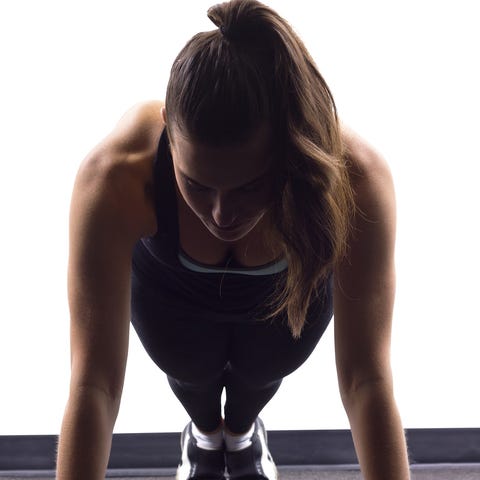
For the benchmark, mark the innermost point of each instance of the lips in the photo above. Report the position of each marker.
(228, 229)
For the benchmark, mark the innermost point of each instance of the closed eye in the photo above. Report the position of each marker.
(200, 188)
(195, 186)
(251, 188)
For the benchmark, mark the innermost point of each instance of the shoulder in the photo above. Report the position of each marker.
(119, 170)
(370, 177)
(372, 240)
(366, 163)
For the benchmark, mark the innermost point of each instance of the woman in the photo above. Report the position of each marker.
(228, 224)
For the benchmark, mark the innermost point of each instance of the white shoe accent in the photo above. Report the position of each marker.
(268, 466)
(184, 470)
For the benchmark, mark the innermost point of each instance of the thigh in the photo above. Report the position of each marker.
(266, 351)
(186, 348)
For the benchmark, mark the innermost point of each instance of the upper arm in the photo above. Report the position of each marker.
(365, 280)
(109, 213)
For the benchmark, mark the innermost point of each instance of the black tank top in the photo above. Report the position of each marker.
(182, 282)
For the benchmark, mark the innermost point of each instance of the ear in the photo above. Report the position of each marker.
(163, 111)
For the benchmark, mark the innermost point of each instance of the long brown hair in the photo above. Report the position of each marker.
(253, 70)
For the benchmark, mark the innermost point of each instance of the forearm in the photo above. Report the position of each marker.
(86, 436)
(378, 434)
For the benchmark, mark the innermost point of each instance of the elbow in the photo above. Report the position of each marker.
(106, 399)
(373, 401)
(112, 395)
(361, 392)
(104, 387)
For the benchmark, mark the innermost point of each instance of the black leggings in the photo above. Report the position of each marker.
(201, 357)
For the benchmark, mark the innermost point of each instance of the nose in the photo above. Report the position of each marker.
(224, 212)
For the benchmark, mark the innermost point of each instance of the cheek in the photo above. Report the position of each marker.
(256, 202)
(198, 203)
(263, 199)
(253, 207)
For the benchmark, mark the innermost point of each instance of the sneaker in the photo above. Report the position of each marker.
(198, 463)
(254, 462)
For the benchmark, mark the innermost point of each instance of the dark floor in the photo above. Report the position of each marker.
(419, 472)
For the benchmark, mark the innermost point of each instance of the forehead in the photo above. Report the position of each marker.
(226, 166)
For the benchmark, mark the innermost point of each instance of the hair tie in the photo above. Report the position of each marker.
(222, 29)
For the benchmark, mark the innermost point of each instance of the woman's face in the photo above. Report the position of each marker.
(229, 188)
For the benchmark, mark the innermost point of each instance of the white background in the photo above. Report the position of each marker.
(404, 74)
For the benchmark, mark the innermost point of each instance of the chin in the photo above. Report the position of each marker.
(229, 236)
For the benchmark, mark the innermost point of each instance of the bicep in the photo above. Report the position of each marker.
(365, 283)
